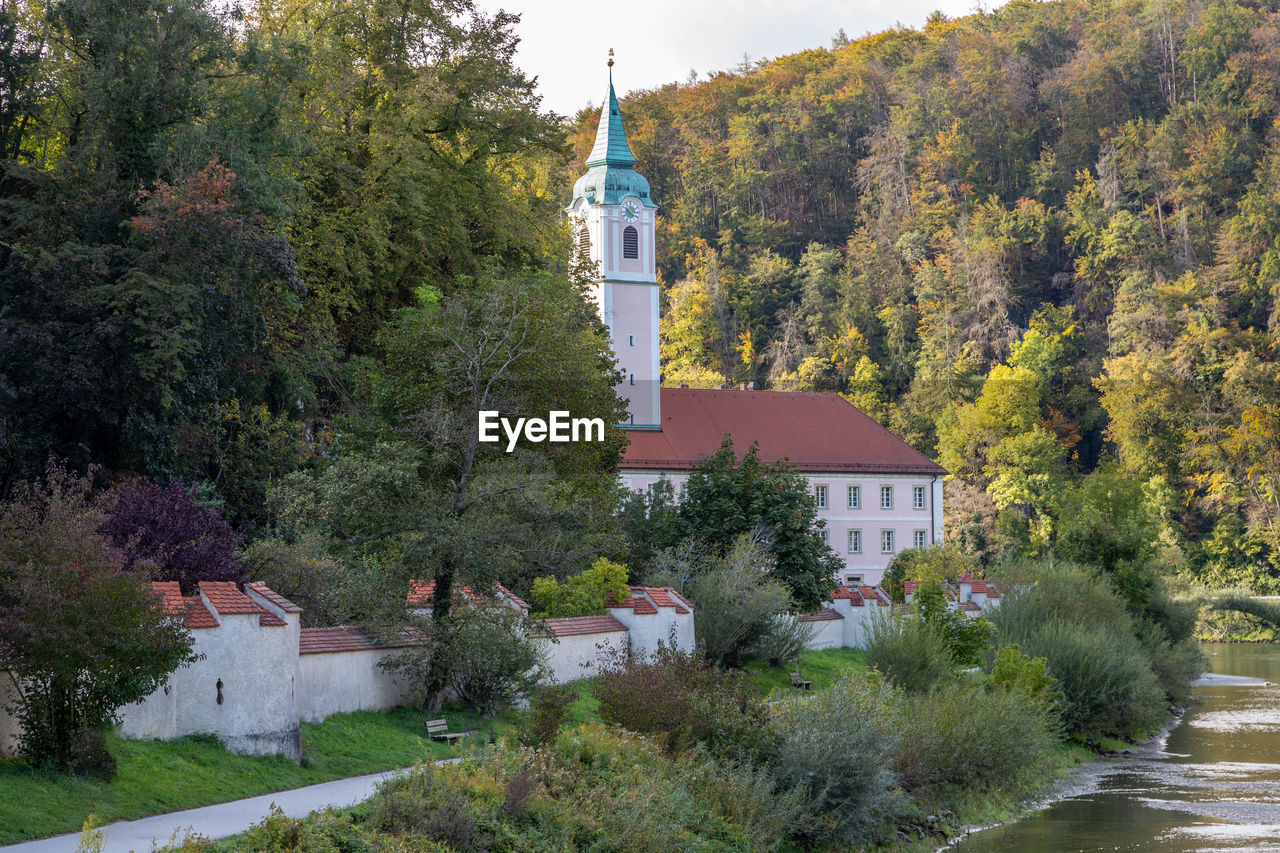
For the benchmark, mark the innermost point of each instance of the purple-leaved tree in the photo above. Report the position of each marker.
(167, 535)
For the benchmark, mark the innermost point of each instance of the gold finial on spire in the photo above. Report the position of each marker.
(610, 57)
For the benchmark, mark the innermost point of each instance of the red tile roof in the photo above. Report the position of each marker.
(274, 597)
(813, 432)
(227, 598)
(637, 603)
(872, 593)
(824, 615)
(573, 625)
(170, 597)
(969, 605)
(965, 578)
(198, 616)
(341, 639)
(855, 597)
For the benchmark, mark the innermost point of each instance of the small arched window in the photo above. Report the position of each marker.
(584, 240)
(630, 243)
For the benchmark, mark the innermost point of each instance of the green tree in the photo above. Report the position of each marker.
(414, 491)
(583, 594)
(81, 636)
(726, 497)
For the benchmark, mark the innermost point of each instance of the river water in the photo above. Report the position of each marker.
(1211, 782)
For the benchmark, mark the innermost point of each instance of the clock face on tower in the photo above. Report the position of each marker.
(631, 211)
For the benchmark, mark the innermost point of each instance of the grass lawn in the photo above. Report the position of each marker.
(820, 667)
(164, 776)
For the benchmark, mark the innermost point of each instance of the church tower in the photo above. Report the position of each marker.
(613, 219)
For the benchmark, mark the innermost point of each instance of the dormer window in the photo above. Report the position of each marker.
(630, 243)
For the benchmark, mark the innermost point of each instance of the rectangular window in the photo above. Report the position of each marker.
(886, 541)
(631, 339)
(826, 535)
(886, 497)
(820, 496)
(855, 541)
(855, 497)
(633, 379)
(852, 580)
(917, 539)
(917, 497)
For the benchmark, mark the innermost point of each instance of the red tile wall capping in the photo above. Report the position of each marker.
(274, 597)
(341, 639)
(855, 599)
(813, 432)
(637, 604)
(520, 602)
(421, 594)
(824, 615)
(270, 620)
(198, 616)
(170, 597)
(227, 598)
(660, 596)
(870, 594)
(569, 626)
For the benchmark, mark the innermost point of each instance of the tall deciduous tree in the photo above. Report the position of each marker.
(414, 489)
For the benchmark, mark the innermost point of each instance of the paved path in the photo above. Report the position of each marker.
(214, 821)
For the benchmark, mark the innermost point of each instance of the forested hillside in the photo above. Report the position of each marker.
(1041, 243)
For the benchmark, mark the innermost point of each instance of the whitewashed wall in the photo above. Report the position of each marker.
(341, 682)
(577, 656)
(258, 667)
(827, 634)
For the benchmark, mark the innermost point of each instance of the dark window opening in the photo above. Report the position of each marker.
(630, 243)
(219, 691)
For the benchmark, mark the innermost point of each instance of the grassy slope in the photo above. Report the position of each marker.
(163, 776)
(820, 667)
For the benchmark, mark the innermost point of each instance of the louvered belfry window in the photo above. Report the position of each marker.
(630, 243)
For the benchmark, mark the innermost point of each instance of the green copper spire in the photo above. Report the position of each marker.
(611, 147)
(610, 178)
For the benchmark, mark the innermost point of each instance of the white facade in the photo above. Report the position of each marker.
(914, 514)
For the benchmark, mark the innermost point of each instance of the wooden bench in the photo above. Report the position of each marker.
(439, 730)
(799, 683)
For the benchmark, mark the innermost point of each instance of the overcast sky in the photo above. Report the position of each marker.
(565, 43)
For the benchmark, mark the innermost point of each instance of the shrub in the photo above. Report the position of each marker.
(735, 596)
(491, 658)
(965, 736)
(1073, 618)
(685, 701)
(80, 636)
(547, 712)
(1013, 671)
(966, 638)
(428, 803)
(784, 639)
(1106, 678)
(911, 654)
(837, 747)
